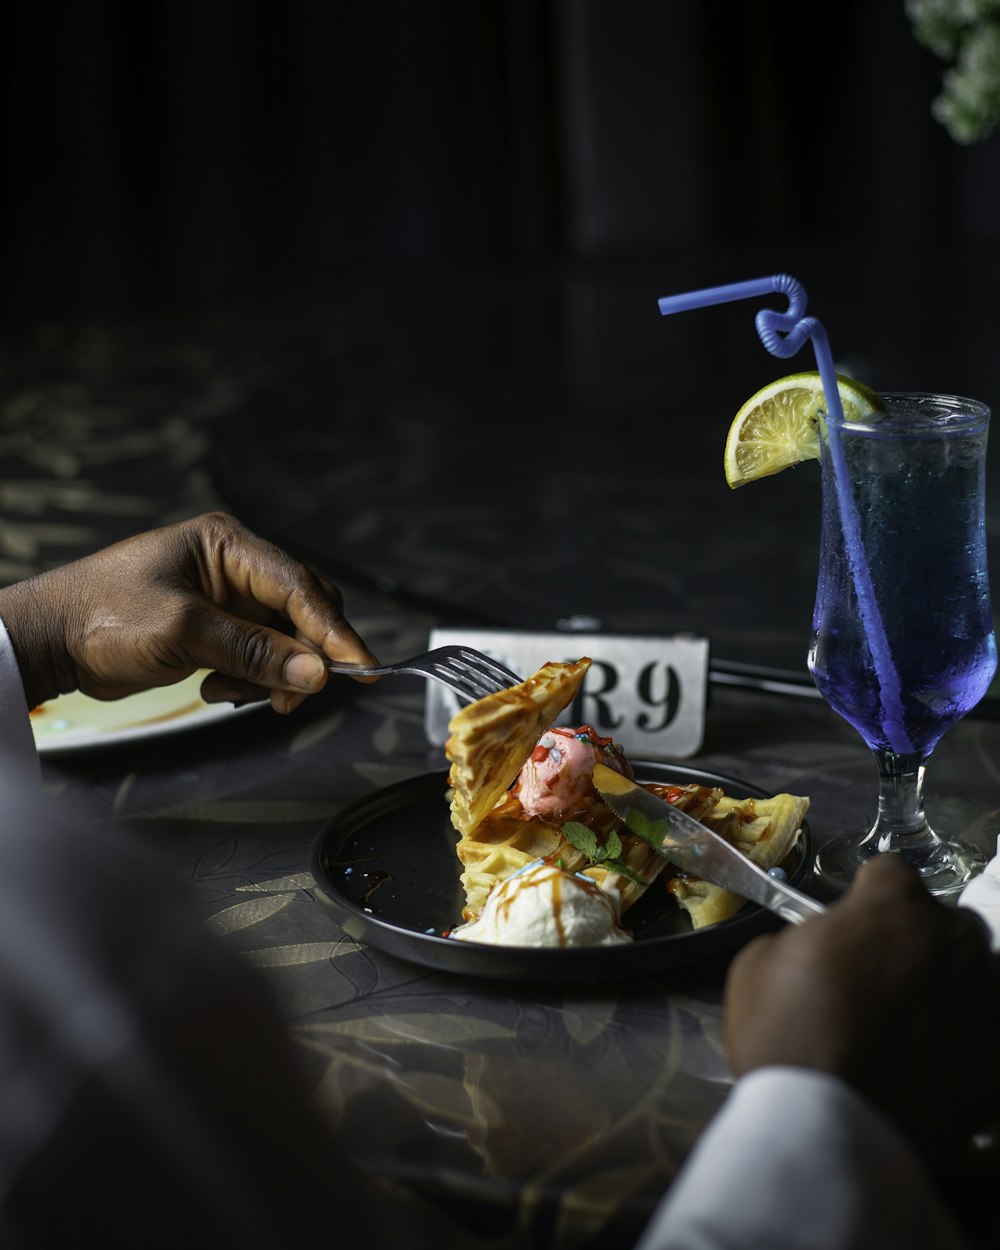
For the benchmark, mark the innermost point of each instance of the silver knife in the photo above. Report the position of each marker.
(698, 850)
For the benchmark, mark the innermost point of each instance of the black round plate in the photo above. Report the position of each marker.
(386, 868)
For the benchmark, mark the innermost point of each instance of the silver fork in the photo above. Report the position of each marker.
(469, 673)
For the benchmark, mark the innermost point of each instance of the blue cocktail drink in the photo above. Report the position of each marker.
(914, 477)
(902, 643)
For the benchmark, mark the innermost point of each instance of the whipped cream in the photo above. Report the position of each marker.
(541, 905)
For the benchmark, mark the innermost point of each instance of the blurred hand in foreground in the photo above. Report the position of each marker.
(893, 992)
(153, 609)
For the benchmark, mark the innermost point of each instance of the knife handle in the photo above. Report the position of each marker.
(791, 904)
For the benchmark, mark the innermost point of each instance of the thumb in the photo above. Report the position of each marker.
(247, 655)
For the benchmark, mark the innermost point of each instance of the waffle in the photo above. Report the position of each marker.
(488, 743)
(765, 830)
(639, 857)
(489, 740)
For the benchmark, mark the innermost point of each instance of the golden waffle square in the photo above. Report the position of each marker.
(763, 829)
(504, 842)
(489, 740)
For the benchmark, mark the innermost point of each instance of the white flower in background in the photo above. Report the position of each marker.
(965, 33)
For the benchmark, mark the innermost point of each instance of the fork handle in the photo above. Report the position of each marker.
(353, 668)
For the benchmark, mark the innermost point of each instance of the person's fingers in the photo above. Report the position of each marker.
(365, 678)
(748, 958)
(255, 571)
(285, 703)
(888, 970)
(888, 874)
(743, 973)
(202, 593)
(251, 655)
(890, 890)
(221, 688)
(218, 688)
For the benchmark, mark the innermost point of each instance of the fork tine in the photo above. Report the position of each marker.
(466, 675)
(489, 678)
(468, 663)
(487, 664)
(469, 673)
(463, 684)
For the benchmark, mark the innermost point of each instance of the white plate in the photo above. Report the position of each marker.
(73, 721)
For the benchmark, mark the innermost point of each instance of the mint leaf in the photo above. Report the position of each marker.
(608, 855)
(583, 839)
(651, 831)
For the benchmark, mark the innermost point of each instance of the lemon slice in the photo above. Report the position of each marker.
(779, 426)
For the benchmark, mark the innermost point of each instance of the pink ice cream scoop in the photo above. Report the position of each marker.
(555, 780)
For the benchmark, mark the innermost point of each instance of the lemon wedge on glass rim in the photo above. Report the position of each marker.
(780, 425)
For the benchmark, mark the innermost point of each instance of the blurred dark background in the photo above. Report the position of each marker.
(324, 251)
(188, 150)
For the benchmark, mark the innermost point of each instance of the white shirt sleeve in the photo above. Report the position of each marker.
(17, 742)
(796, 1160)
(982, 895)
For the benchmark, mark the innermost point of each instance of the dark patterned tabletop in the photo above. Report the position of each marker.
(513, 457)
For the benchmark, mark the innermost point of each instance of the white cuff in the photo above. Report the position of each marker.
(982, 895)
(796, 1159)
(17, 742)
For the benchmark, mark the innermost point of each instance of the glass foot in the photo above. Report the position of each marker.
(945, 867)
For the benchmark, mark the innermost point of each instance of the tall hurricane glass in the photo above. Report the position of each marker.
(916, 651)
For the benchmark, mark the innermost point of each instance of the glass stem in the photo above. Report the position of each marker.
(901, 824)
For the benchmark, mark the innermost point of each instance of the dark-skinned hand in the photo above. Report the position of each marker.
(890, 990)
(153, 609)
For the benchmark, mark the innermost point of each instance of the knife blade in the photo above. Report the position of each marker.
(698, 850)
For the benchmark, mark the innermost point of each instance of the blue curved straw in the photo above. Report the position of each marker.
(783, 333)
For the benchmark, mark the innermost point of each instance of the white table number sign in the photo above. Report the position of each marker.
(647, 693)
